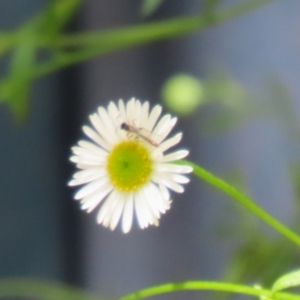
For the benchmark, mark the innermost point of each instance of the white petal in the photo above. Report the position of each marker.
(161, 124)
(165, 192)
(88, 178)
(122, 110)
(167, 180)
(179, 178)
(90, 202)
(102, 190)
(151, 209)
(115, 202)
(113, 110)
(175, 155)
(154, 194)
(116, 215)
(85, 167)
(90, 188)
(102, 130)
(127, 214)
(144, 114)
(141, 213)
(115, 116)
(108, 123)
(152, 206)
(90, 172)
(174, 168)
(96, 137)
(173, 185)
(154, 115)
(87, 160)
(170, 142)
(163, 127)
(136, 114)
(107, 208)
(96, 152)
(92, 147)
(164, 131)
(130, 110)
(156, 222)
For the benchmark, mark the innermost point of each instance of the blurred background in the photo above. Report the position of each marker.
(240, 85)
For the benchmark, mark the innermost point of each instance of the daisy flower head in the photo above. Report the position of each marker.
(123, 168)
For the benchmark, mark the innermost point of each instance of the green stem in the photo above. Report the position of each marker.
(208, 286)
(160, 30)
(246, 201)
(92, 44)
(7, 41)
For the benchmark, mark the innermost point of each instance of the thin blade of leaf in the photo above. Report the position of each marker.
(17, 84)
(148, 7)
(57, 15)
(287, 281)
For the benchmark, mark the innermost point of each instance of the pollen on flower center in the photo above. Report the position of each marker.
(129, 165)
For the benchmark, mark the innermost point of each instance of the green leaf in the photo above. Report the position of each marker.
(148, 7)
(15, 88)
(7, 39)
(56, 16)
(287, 281)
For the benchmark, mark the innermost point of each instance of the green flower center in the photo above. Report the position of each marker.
(129, 165)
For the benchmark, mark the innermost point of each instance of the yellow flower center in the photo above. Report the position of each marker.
(129, 165)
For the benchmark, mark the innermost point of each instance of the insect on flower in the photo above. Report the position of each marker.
(137, 131)
(123, 167)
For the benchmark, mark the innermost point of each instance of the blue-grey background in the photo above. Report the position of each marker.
(43, 233)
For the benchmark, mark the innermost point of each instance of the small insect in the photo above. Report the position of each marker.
(137, 131)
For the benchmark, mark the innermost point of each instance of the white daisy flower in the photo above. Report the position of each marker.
(124, 167)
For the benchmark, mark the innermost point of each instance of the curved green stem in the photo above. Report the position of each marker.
(206, 286)
(246, 201)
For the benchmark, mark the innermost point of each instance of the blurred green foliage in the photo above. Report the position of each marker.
(148, 7)
(258, 257)
(227, 104)
(23, 44)
(286, 281)
(182, 94)
(12, 288)
(46, 31)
